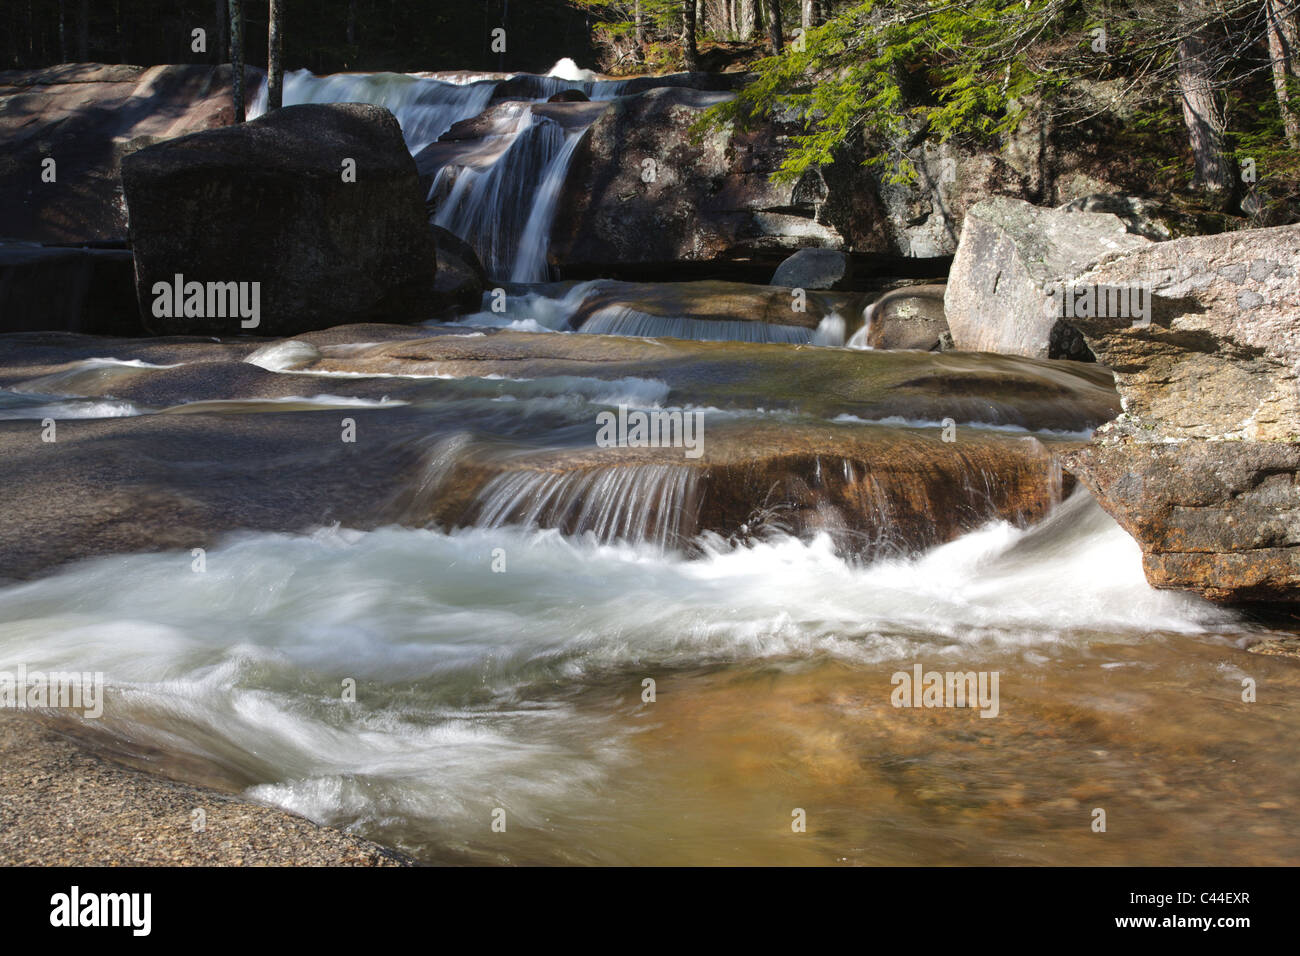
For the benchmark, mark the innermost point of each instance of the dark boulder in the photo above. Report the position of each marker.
(461, 279)
(269, 202)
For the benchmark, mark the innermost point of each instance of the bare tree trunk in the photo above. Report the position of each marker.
(1284, 52)
(275, 57)
(222, 31)
(237, 57)
(689, 52)
(775, 30)
(1202, 113)
(807, 15)
(83, 31)
(748, 18)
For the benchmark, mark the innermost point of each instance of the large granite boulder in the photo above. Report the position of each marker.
(268, 202)
(1010, 268)
(644, 191)
(1203, 466)
(87, 117)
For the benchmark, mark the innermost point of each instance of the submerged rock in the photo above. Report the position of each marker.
(875, 491)
(908, 318)
(433, 425)
(718, 311)
(272, 202)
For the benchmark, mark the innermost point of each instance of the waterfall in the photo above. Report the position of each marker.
(488, 207)
(530, 259)
(503, 208)
(652, 504)
(858, 340)
(425, 107)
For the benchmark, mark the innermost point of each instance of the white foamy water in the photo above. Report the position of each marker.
(320, 402)
(14, 408)
(284, 356)
(465, 676)
(930, 423)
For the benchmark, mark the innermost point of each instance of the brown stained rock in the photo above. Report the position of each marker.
(877, 491)
(1218, 518)
(908, 318)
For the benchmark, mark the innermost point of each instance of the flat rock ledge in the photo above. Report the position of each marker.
(64, 805)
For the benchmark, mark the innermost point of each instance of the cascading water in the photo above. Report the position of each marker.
(621, 320)
(652, 504)
(484, 207)
(504, 207)
(425, 106)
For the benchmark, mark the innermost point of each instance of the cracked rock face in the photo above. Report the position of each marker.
(1219, 359)
(1203, 467)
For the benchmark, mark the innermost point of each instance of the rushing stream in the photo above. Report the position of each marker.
(523, 690)
(637, 658)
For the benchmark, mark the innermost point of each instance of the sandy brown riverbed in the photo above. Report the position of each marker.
(61, 804)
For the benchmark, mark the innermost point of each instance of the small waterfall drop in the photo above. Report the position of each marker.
(486, 205)
(620, 320)
(636, 503)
